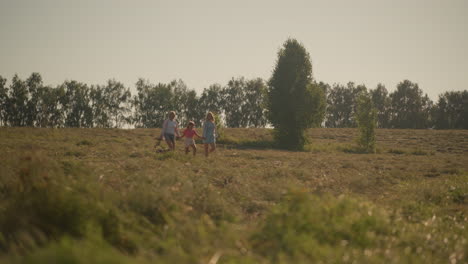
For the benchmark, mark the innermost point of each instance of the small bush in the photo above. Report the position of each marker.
(42, 202)
(367, 122)
(304, 226)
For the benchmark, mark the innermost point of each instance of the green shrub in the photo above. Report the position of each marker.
(45, 205)
(209, 202)
(110, 226)
(308, 227)
(367, 122)
(41, 201)
(150, 205)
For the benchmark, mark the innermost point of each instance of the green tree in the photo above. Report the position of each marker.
(338, 107)
(255, 103)
(191, 107)
(366, 117)
(382, 103)
(318, 105)
(49, 108)
(409, 108)
(357, 92)
(3, 101)
(35, 88)
(98, 106)
(17, 103)
(116, 102)
(451, 110)
(292, 102)
(184, 101)
(110, 104)
(233, 98)
(342, 105)
(76, 104)
(151, 104)
(441, 113)
(210, 101)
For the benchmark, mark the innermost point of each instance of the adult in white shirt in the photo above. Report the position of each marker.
(170, 130)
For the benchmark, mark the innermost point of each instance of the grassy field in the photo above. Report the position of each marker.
(106, 196)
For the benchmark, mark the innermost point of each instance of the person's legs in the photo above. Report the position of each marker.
(213, 147)
(170, 140)
(173, 142)
(187, 150)
(169, 144)
(206, 149)
(194, 149)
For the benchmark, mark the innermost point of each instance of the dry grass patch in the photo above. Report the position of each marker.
(175, 208)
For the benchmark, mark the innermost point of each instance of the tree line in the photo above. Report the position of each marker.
(240, 103)
(406, 107)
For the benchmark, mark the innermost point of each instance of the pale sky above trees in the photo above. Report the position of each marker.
(205, 42)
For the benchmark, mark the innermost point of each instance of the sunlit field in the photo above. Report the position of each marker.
(107, 195)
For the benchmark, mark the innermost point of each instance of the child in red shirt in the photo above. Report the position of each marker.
(189, 133)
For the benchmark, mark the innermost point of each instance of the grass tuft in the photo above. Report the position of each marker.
(84, 143)
(396, 151)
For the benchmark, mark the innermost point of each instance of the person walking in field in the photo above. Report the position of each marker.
(189, 133)
(209, 133)
(170, 130)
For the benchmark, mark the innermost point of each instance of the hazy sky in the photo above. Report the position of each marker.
(206, 42)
